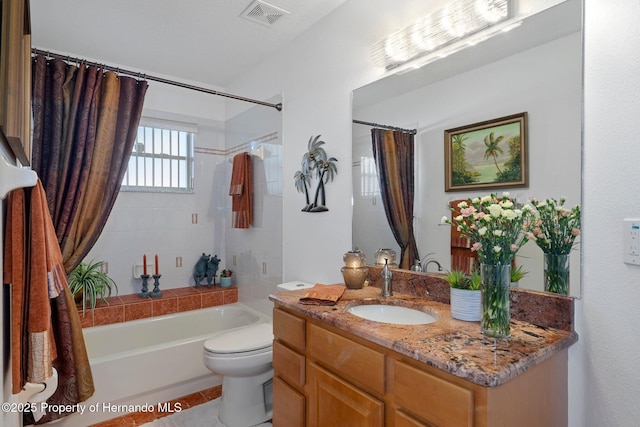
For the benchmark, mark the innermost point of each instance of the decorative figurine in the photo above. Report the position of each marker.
(207, 266)
(200, 269)
(212, 269)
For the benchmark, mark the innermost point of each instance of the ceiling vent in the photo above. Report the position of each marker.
(263, 13)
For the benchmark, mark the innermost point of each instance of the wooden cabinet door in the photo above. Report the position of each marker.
(288, 405)
(334, 402)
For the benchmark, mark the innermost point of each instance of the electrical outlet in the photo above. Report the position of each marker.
(178, 261)
(631, 241)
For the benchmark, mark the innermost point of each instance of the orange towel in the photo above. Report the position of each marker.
(241, 191)
(46, 329)
(323, 295)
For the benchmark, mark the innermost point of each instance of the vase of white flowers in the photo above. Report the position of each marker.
(555, 229)
(496, 226)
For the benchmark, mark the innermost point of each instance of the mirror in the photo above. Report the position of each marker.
(535, 68)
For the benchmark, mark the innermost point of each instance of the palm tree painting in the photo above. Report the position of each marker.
(487, 154)
(315, 160)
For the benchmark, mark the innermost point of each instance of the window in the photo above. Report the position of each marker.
(368, 177)
(162, 157)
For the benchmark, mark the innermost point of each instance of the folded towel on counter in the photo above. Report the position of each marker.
(323, 295)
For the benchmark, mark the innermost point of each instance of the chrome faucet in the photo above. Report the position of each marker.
(426, 266)
(386, 280)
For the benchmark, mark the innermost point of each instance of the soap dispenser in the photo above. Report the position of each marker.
(386, 280)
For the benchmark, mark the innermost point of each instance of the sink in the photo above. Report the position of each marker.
(393, 314)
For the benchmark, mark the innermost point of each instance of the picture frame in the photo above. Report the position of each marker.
(487, 155)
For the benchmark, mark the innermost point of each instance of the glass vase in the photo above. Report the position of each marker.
(496, 284)
(556, 273)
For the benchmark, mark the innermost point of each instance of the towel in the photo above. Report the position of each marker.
(241, 191)
(46, 329)
(323, 295)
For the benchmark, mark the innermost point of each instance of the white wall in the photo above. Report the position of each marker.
(604, 363)
(317, 72)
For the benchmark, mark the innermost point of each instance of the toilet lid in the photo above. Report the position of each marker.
(240, 340)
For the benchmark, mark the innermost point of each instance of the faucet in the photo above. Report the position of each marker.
(386, 280)
(426, 266)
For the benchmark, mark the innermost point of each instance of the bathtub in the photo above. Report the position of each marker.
(154, 360)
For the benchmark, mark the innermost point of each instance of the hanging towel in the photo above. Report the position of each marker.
(46, 329)
(241, 191)
(323, 295)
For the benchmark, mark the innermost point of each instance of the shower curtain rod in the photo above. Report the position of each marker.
(136, 74)
(411, 131)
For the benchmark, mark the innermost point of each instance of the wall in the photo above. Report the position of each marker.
(509, 86)
(317, 73)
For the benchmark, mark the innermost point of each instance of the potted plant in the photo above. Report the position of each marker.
(225, 278)
(517, 273)
(466, 295)
(88, 283)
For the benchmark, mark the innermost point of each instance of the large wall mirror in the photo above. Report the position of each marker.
(534, 68)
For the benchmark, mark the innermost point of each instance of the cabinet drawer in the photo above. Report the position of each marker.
(348, 358)
(288, 405)
(288, 365)
(432, 398)
(289, 329)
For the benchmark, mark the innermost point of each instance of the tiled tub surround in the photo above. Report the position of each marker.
(454, 346)
(132, 307)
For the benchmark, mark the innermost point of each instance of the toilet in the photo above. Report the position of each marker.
(243, 358)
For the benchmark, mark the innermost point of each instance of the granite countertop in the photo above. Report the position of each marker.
(449, 344)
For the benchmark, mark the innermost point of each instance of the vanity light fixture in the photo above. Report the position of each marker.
(443, 32)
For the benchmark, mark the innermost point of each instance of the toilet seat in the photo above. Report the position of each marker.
(248, 340)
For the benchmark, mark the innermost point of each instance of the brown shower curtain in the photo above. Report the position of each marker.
(393, 154)
(85, 125)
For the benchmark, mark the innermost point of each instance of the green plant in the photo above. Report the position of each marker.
(518, 273)
(91, 283)
(456, 279)
(226, 273)
(475, 281)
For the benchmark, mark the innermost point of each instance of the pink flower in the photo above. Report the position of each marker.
(575, 232)
(476, 246)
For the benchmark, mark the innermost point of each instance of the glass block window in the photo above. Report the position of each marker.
(162, 157)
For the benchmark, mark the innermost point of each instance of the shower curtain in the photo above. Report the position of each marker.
(393, 154)
(85, 122)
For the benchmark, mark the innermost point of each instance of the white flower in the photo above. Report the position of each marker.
(482, 231)
(485, 199)
(476, 200)
(459, 218)
(497, 233)
(506, 204)
(495, 210)
(462, 205)
(444, 220)
(505, 194)
(509, 214)
(497, 249)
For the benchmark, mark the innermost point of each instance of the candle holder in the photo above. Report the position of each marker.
(145, 289)
(156, 286)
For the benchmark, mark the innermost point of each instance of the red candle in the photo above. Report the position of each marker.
(157, 265)
(144, 264)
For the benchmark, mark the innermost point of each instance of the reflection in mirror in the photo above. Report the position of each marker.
(535, 68)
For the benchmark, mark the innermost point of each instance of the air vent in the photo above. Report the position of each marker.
(263, 13)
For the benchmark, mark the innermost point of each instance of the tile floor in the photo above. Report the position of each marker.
(139, 418)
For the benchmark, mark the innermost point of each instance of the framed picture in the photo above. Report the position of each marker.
(487, 155)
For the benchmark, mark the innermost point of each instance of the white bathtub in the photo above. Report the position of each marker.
(154, 360)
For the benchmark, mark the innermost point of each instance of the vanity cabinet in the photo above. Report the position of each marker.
(325, 376)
